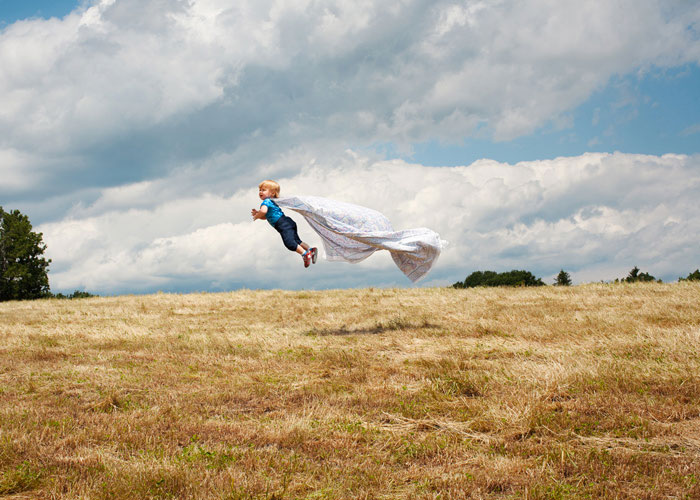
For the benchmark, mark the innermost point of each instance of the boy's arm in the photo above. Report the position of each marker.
(259, 214)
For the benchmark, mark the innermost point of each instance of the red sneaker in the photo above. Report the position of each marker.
(314, 253)
(307, 258)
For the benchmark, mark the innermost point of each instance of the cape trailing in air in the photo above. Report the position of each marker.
(352, 233)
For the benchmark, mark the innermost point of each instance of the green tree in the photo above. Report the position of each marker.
(491, 278)
(563, 279)
(479, 278)
(23, 269)
(635, 276)
(694, 276)
(78, 294)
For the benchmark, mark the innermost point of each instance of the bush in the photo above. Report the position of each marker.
(75, 295)
(491, 278)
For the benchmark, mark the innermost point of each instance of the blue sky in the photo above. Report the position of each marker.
(15, 10)
(654, 113)
(134, 133)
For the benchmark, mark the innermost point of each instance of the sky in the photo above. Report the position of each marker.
(530, 134)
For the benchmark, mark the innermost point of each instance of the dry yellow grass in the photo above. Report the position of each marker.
(584, 392)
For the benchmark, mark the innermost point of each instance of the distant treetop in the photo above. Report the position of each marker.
(694, 276)
(635, 276)
(492, 278)
(562, 279)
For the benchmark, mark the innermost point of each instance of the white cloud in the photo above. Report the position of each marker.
(150, 85)
(589, 214)
(16, 169)
(140, 128)
(691, 130)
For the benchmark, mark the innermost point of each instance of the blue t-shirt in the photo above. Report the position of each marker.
(273, 211)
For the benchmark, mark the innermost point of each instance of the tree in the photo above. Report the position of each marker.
(694, 276)
(563, 279)
(634, 276)
(78, 294)
(491, 278)
(23, 270)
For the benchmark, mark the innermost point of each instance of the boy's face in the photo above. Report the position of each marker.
(265, 193)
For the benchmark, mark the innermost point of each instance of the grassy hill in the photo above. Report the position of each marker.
(535, 393)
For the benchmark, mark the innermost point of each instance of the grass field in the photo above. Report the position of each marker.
(590, 391)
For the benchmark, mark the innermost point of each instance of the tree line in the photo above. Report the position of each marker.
(24, 269)
(526, 278)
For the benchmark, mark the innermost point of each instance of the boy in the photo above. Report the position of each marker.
(284, 225)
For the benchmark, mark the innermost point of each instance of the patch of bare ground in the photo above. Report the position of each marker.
(548, 393)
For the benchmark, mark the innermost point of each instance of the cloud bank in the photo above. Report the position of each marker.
(596, 216)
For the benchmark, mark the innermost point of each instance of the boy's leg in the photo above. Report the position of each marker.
(288, 230)
(306, 255)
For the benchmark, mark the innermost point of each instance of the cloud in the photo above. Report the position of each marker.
(691, 130)
(17, 169)
(133, 132)
(595, 215)
(125, 91)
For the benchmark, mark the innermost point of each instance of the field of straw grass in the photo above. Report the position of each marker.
(590, 391)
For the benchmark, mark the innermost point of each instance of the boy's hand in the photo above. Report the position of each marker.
(259, 214)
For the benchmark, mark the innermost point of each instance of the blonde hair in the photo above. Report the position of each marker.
(272, 186)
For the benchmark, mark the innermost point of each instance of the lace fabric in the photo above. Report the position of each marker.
(352, 233)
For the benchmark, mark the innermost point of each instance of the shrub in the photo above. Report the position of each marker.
(492, 278)
(75, 295)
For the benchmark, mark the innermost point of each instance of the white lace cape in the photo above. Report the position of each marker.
(352, 233)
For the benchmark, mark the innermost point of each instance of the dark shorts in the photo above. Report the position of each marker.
(288, 230)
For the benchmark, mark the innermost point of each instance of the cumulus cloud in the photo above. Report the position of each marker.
(595, 215)
(123, 91)
(133, 133)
